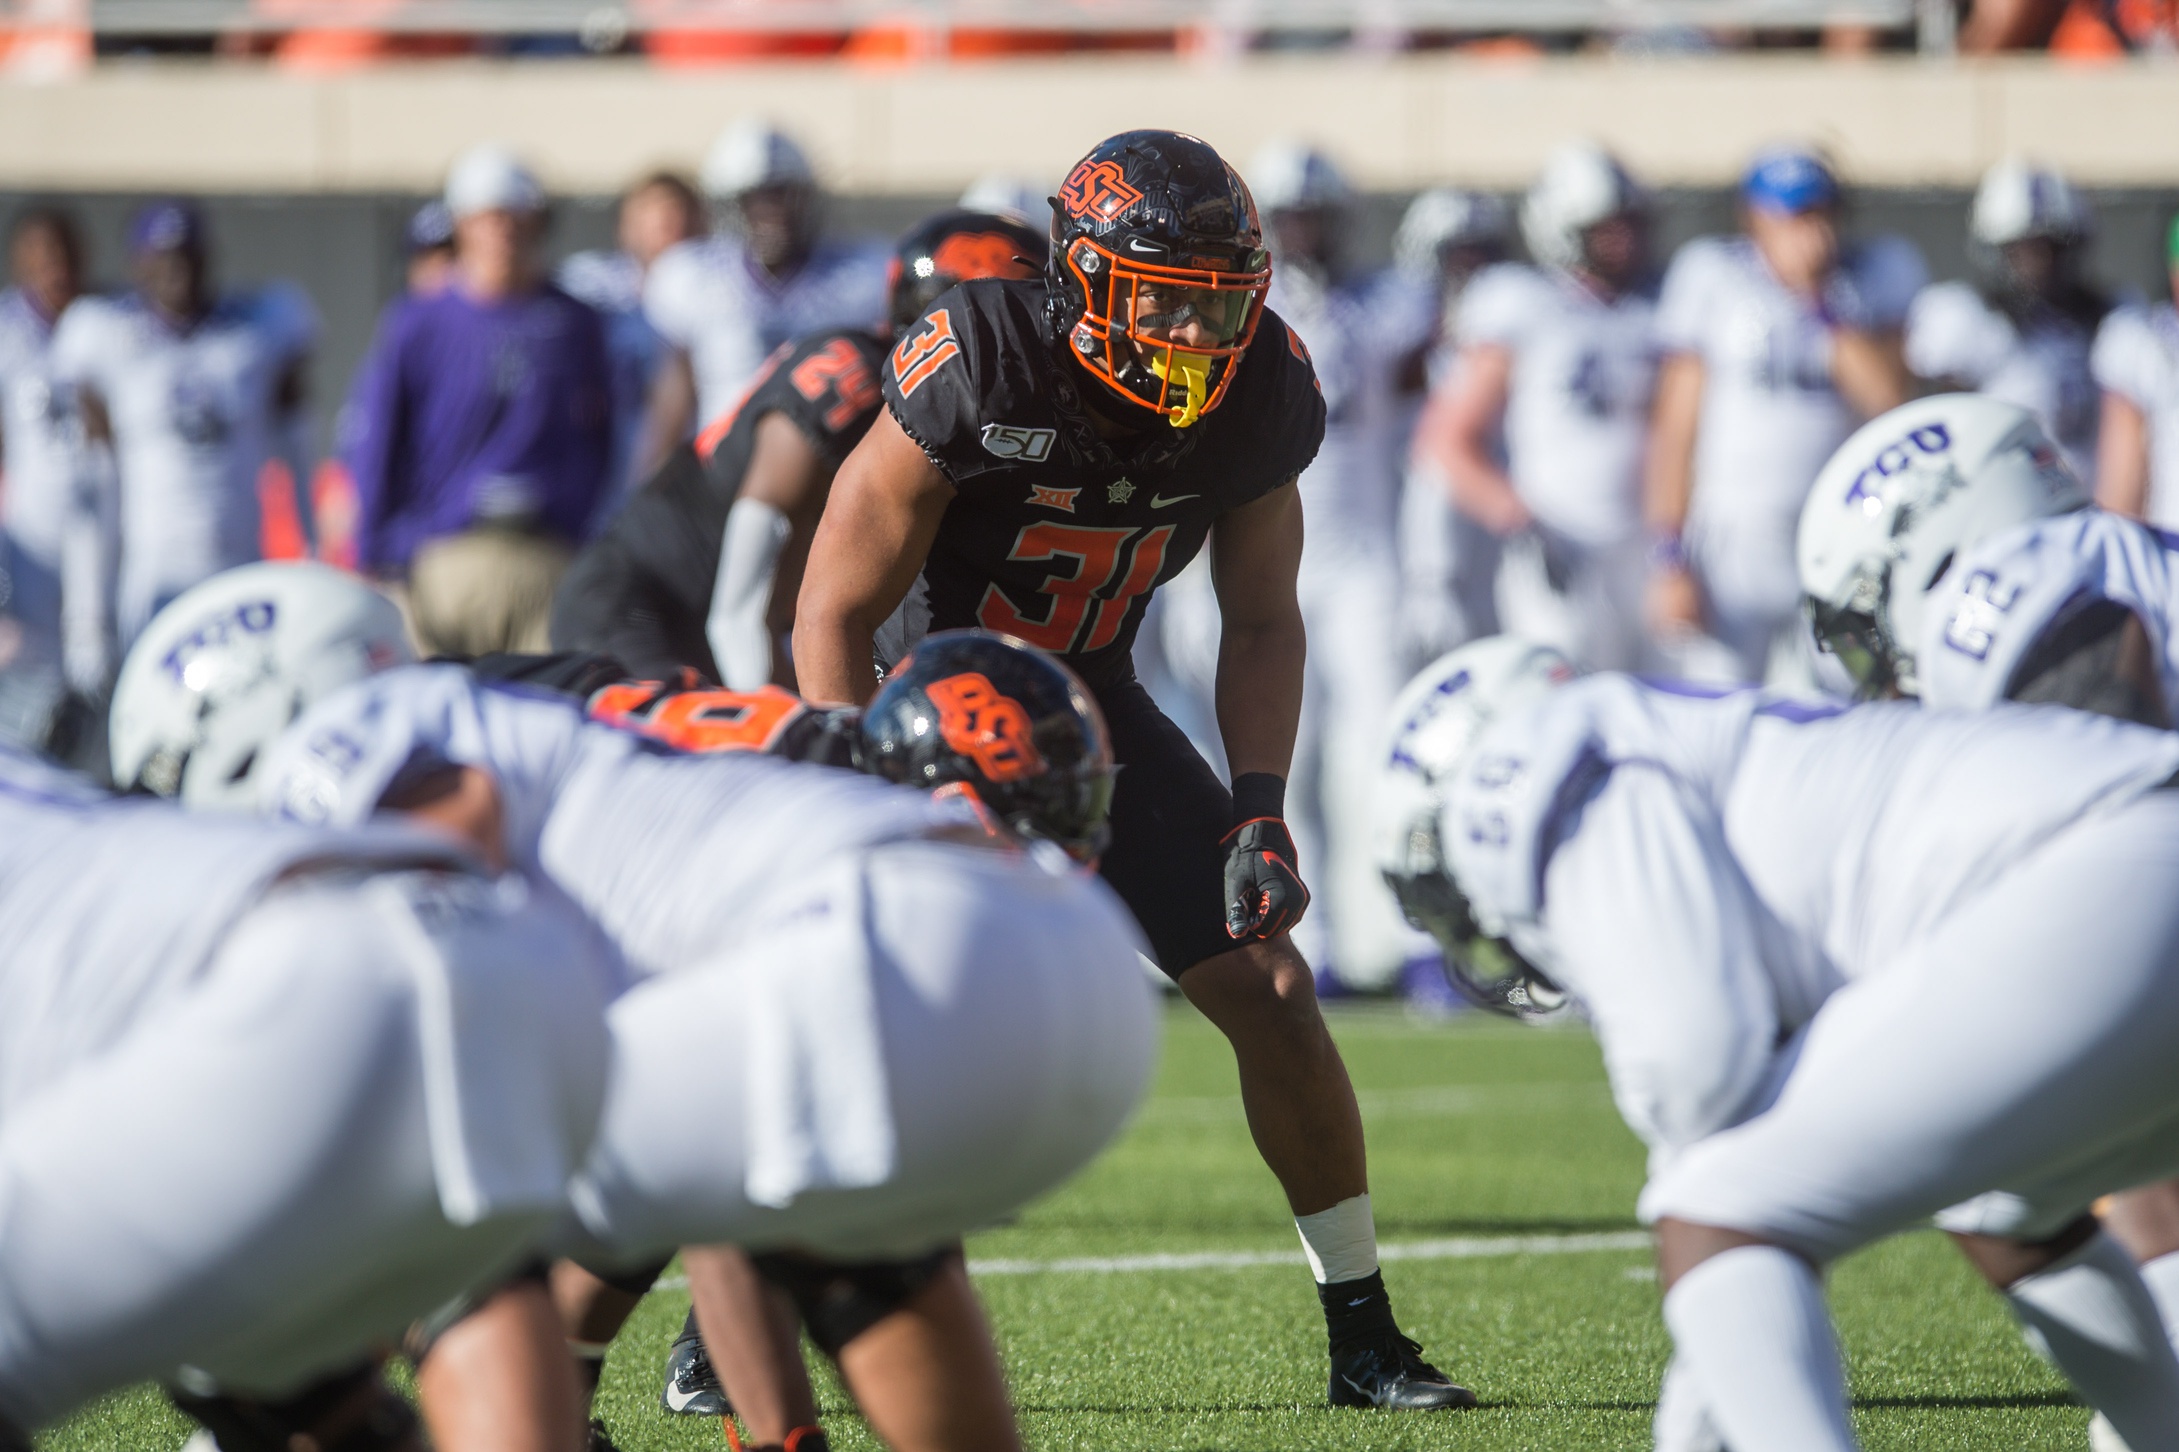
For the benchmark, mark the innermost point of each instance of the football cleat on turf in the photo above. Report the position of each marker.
(1387, 1370)
(692, 1388)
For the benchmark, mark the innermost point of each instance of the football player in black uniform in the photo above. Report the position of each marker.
(1054, 450)
(701, 567)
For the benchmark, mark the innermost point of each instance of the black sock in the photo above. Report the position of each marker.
(688, 1328)
(589, 1367)
(1356, 1308)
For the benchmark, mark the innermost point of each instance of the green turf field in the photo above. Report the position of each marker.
(1480, 1132)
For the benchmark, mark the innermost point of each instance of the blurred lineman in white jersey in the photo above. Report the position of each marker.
(2136, 363)
(195, 392)
(1817, 947)
(2022, 330)
(1448, 562)
(724, 302)
(267, 1094)
(1777, 344)
(1559, 361)
(927, 1031)
(1974, 580)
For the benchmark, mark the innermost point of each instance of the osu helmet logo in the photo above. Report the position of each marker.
(1097, 189)
(981, 254)
(986, 726)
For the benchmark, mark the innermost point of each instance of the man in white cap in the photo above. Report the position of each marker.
(480, 433)
(725, 302)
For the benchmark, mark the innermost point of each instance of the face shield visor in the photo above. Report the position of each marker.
(1165, 337)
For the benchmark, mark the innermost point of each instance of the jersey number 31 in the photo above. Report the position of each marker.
(1099, 579)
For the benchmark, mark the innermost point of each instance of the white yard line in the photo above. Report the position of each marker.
(1469, 1247)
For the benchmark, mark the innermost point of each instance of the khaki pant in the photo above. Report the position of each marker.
(482, 590)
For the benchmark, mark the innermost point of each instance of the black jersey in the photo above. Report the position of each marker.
(1055, 534)
(672, 527)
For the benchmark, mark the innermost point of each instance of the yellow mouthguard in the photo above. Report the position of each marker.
(1195, 376)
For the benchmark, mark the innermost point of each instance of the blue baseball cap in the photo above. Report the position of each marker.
(1789, 179)
(168, 226)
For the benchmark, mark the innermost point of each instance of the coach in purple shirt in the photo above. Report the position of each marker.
(480, 433)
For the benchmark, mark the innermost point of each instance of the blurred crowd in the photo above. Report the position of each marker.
(1537, 425)
(666, 35)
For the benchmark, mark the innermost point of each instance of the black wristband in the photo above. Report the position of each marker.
(1258, 794)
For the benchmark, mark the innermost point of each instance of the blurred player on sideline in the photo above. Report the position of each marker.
(1968, 583)
(1776, 344)
(2022, 330)
(1557, 365)
(701, 567)
(1354, 331)
(428, 239)
(2136, 363)
(659, 211)
(1051, 453)
(723, 303)
(1448, 562)
(1816, 946)
(335, 1078)
(194, 392)
(56, 532)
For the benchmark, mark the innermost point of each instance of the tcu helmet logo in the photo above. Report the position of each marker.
(1007, 441)
(1097, 189)
(987, 727)
(251, 617)
(1928, 441)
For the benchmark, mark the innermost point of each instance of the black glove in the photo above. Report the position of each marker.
(1264, 892)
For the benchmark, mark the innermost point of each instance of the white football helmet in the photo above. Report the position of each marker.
(1582, 184)
(221, 671)
(2017, 202)
(1291, 176)
(1447, 217)
(1435, 724)
(752, 154)
(1896, 504)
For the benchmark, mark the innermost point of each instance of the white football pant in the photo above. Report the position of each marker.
(923, 1041)
(356, 1113)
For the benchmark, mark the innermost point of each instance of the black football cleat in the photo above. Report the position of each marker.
(1386, 1370)
(692, 1388)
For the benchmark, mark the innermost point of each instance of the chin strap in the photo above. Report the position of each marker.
(1194, 373)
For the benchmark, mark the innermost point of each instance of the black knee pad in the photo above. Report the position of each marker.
(635, 1282)
(352, 1411)
(425, 1334)
(839, 1300)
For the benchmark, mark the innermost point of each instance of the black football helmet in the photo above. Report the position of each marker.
(954, 247)
(1007, 723)
(1152, 230)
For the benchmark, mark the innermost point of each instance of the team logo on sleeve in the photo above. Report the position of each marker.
(986, 726)
(1097, 189)
(923, 353)
(1030, 446)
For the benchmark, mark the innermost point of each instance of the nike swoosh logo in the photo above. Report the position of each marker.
(1159, 501)
(1358, 1301)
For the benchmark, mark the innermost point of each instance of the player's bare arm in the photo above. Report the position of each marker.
(1668, 483)
(668, 414)
(1255, 557)
(765, 547)
(877, 529)
(2122, 458)
(1870, 368)
(1458, 431)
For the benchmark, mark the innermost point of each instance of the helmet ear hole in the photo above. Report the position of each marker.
(1944, 567)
